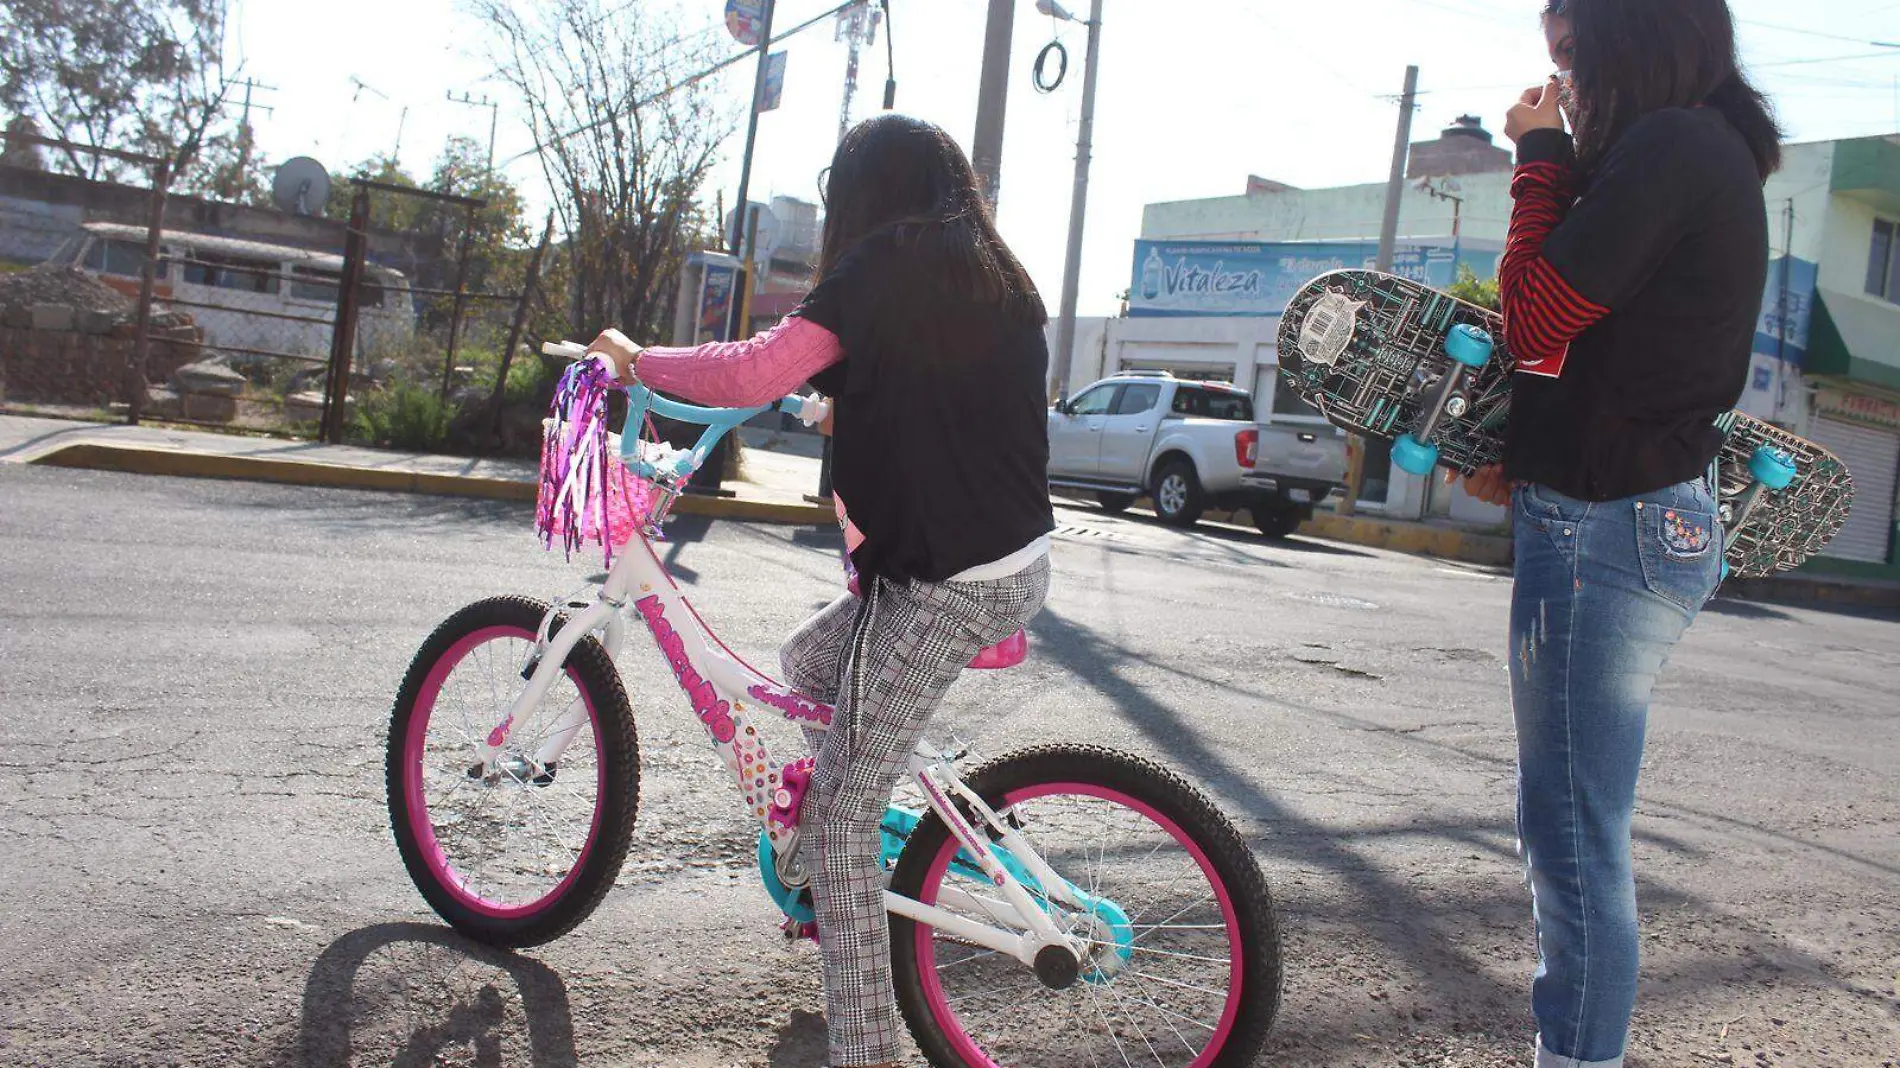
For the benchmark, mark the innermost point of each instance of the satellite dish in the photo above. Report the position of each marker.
(301, 186)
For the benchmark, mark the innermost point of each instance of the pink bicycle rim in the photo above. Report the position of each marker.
(419, 826)
(966, 1047)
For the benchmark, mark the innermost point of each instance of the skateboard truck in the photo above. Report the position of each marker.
(1469, 348)
(1772, 469)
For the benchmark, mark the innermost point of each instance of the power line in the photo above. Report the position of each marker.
(1817, 33)
(635, 105)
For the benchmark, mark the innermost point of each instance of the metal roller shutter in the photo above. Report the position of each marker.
(1871, 456)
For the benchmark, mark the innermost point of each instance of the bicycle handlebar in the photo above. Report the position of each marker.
(718, 421)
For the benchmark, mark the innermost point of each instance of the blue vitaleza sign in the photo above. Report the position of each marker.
(1258, 278)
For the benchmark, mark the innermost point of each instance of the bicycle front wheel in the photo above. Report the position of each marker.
(514, 851)
(1182, 968)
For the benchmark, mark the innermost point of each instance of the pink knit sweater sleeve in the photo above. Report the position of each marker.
(741, 374)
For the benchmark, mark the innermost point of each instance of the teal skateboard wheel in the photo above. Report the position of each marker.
(1469, 345)
(1413, 456)
(1772, 467)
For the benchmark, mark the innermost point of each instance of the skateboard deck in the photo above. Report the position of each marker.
(1374, 353)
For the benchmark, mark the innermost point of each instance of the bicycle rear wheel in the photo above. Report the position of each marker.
(1183, 963)
(511, 853)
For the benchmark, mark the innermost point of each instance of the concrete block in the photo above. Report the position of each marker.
(53, 317)
(97, 322)
(306, 407)
(208, 408)
(16, 317)
(207, 378)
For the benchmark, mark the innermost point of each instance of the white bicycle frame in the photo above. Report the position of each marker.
(723, 688)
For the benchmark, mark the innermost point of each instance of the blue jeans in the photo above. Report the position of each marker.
(1603, 592)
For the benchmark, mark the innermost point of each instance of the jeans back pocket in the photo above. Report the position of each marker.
(1679, 540)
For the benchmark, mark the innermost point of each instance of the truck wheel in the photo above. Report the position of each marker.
(1114, 502)
(1177, 494)
(1275, 521)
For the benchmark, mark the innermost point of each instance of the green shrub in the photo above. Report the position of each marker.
(402, 416)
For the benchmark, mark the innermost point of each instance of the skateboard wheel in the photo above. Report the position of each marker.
(1772, 467)
(1469, 345)
(1413, 456)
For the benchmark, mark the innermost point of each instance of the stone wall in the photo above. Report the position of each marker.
(53, 366)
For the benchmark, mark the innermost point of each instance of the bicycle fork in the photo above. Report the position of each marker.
(544, 665)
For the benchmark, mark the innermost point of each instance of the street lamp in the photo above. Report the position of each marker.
(1078, 207)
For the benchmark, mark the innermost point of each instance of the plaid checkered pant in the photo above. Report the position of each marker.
(884, 661)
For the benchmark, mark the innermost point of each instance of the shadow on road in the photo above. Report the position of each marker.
(404, 993)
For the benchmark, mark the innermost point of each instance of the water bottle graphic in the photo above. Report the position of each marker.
(1151, 275)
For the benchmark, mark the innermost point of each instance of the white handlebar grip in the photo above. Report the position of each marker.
(814, 411)
(571, 350)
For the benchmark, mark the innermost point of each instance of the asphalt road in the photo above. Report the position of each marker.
(195, 679)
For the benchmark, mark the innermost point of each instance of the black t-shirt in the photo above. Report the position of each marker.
(1671, 236)
(940, 446)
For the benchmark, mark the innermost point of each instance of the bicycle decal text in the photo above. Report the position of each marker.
(793, 706)
(707, 705)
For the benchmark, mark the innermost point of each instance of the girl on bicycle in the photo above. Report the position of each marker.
(1631, 282)
(928, 334)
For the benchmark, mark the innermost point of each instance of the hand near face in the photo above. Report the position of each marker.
(1536, 109)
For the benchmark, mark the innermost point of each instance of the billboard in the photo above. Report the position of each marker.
(1258, 278)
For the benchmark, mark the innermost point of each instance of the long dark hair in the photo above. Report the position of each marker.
(1637, 56)
(905, 177)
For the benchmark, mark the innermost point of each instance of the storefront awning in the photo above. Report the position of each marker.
(1855, 338)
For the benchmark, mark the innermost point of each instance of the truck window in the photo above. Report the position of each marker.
(1212, 404)
(1288, 402)
(1137, 399)
(1094, 401)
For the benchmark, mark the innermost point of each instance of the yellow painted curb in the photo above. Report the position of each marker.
(140, 460)
(1415, 538)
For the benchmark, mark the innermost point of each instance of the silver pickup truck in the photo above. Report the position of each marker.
(1188, 446)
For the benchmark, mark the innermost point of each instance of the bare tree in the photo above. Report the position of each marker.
(144, 75)
(624, 153)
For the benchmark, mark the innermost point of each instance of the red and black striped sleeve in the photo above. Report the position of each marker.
(1542, 311)
(1569, 260)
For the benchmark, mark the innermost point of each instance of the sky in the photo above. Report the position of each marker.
(1194, 95)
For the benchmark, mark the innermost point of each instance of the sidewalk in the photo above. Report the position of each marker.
(772, 491)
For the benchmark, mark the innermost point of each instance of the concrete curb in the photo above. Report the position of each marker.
(1800, 591)
(141, 460)
(1418, 539)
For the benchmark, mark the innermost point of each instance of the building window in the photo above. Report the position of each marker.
(1883, 261)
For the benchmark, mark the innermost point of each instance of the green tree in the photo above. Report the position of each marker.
(1470, 289)
(627, 140)
(140, 75)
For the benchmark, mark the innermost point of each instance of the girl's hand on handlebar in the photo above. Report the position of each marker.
(619, 352)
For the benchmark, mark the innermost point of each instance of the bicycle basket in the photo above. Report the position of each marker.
(587, 493)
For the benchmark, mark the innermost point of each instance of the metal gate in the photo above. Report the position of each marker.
(1871, 455)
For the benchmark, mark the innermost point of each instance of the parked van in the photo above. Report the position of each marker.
(252, 298)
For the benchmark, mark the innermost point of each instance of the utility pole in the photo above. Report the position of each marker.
(986, 151)
(1078, 206)
(1781, 311)
(494, 113)
(1388, 238)
(245, 139)
(1395, 186)
(736, 240)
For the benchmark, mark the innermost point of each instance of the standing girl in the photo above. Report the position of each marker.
(1631, 283)
(928, 335)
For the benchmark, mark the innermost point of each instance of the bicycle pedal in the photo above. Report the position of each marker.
(796, 930)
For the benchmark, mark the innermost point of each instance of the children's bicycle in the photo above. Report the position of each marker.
(1065, 904)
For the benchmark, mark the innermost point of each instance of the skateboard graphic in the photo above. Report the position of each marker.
(1389, 358)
